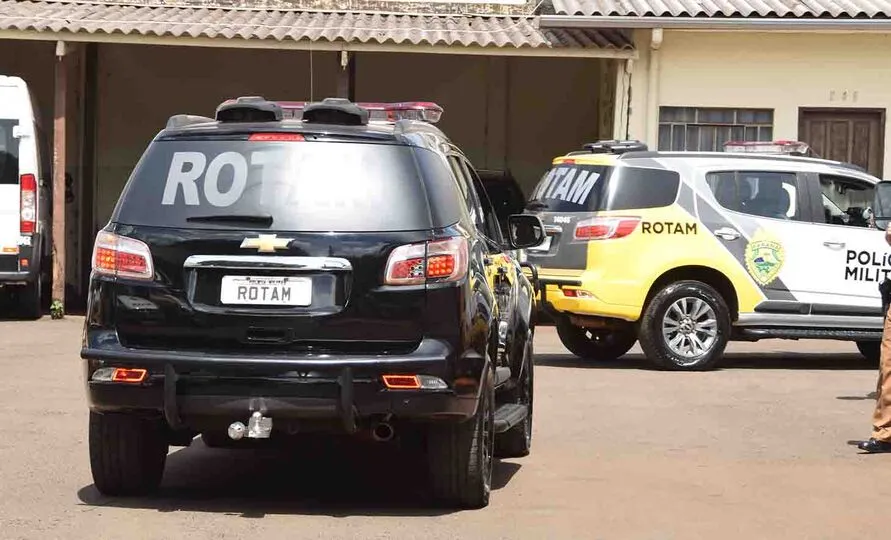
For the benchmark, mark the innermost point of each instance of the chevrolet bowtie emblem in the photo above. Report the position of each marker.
(266, 243)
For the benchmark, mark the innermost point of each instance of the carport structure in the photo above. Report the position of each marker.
(515, 94)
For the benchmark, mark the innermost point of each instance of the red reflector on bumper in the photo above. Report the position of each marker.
(402, 382)
(126, 375)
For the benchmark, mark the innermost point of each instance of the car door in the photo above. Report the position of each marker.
(761, 215)
(850, 256)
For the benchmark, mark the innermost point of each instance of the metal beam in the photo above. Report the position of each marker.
(59, 162)
(751, 24)
(306, 45)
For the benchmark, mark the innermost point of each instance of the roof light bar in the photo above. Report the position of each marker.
(615, 147)
(796, 148)
(378, 112)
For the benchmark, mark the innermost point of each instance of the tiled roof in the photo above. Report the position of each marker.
(727, 8)
(288, 24)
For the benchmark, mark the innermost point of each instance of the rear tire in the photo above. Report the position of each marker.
(871, 350)
(677, 308)
(460, 456)
(127, 453)
(602, 345)
(517, 441)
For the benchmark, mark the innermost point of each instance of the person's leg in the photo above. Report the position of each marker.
(881, 419)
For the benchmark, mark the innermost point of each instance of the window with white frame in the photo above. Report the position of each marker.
(707, 129)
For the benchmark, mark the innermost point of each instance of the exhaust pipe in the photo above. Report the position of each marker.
(382, 432)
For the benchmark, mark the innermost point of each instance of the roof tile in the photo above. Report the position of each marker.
(286, 24)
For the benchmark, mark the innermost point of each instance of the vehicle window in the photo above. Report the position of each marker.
(464, 185)
(300, 186)
(491, 229)
(9, 153)
(580, 188)
(757, 193)
(506, 197)
(846, 201)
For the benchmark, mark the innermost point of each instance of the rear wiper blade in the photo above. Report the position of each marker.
(536, 205)
(233, 218)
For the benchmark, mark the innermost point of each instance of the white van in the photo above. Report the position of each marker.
(24, 208)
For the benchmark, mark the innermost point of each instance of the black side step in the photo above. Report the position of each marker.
(509, 415)
(809, 333)
(502, 375)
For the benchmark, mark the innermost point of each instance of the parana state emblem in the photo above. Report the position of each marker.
(764, 258)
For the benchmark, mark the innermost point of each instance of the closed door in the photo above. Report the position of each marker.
(850, 135)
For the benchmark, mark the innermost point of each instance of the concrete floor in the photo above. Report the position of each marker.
(757, 449)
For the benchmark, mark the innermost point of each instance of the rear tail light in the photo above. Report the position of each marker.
(606, 228)
(28, 204)
(120, 256)
(414, 264)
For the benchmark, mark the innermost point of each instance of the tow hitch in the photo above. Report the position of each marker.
(259, 427)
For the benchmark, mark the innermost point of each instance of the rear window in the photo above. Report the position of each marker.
(9, 153)
(594, 188)
(299, 186)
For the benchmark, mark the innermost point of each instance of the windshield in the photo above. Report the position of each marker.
(299, 186)
(591, 188)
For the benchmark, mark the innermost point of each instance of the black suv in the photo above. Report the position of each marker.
(287, 268)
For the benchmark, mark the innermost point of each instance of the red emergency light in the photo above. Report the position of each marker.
(768, 147)
(378, 112)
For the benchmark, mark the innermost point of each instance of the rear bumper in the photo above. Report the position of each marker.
(555, 303)
(18, 278)
(201, 391)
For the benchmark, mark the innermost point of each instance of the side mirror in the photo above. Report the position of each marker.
(881, 206)
(525, 230)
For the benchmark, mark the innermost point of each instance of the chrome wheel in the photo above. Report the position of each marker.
(690, 328)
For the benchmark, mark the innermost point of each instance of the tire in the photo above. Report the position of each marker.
(712, 330)
(30, 299)
(127, 454)
(871, 350)
(460, 456)
(517, 442)
(602, 345)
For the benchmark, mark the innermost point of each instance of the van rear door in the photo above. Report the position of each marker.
(9, 196)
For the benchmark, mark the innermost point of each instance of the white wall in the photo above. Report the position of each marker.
(782, 71)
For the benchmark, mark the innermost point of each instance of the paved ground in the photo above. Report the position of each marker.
(755, 450)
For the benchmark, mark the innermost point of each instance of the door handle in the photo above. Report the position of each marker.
(834, 245)
(727, 233)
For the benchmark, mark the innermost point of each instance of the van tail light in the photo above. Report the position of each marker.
(119, 256)
(28, 204)
(606, 228)
(438, 261)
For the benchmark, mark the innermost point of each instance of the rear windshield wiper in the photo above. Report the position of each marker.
(233, 218)
(536, 205)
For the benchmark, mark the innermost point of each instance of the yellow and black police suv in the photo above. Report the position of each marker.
(685, 251)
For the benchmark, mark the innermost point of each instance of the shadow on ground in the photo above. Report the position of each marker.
(743, 360)
(333, 478)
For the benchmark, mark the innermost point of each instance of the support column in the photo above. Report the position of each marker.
(346, 75)
(653, 90)
(57, 309)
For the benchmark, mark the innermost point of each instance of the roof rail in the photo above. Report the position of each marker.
(743, 155)
(183, 120)
(614, 146)
(249, 109)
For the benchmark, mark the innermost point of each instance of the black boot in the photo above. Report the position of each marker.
(875, 446)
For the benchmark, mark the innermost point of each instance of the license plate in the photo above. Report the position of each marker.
(544, 246)
(266, 291)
